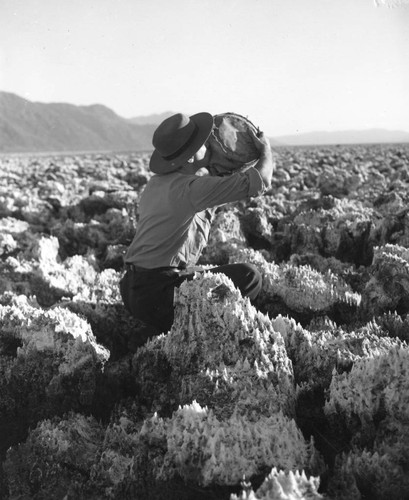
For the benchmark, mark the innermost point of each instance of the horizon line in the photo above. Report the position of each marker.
(289, 134)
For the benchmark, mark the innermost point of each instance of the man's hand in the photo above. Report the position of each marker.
(265, 164)
(205, 161)
(260, 141)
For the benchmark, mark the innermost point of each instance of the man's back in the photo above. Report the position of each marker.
(168, 231)
(165, 216)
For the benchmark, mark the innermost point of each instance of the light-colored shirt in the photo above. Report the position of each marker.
(175, 216)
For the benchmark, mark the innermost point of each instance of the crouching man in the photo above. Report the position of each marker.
(175, 214)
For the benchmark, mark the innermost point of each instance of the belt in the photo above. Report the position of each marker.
(133, 267)
(183, 270)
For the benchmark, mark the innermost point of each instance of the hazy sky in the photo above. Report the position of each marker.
(289, 65)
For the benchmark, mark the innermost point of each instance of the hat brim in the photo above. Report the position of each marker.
(159, 165)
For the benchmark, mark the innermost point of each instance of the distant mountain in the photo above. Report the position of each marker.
(27, 126)
(151, 119)
(370, 136)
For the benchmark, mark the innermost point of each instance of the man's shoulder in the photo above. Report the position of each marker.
(178, 181)
(172, 186)
(171, 178)
(185, 184)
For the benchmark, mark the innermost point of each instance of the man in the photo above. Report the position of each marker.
(175, 212)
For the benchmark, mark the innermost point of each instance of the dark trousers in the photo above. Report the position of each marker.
(148, 293)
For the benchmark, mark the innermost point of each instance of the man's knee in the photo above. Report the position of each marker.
(245, 276)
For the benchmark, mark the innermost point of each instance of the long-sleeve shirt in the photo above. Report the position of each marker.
(175, 215)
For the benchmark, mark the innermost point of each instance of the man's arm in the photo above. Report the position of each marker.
(210, 191)
(265, 164)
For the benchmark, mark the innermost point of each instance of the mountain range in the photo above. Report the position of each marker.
(369, 136)
(27, 126)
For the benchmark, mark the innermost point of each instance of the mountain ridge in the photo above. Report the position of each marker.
(367, 136)
(27, 126)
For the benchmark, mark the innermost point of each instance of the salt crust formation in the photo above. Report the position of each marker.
(87, 202)
(363, 373)
(39, 271)
(50, 363)
(394, 325)
(54, 460)
(76, 283)
(281, 486)
(372, 400)
(39, 329)
(388, 287)
(301, 288)
(247, 386)
(342, 210)
(378, 474)
(203, 449)
(328, 226)
(248, 427)
(318, 355)
(382, 385)
(336, 203)
(226, 233)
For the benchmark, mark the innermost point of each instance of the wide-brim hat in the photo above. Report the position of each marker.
(177, 139)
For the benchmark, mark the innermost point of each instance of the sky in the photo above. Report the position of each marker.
(290, 66)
